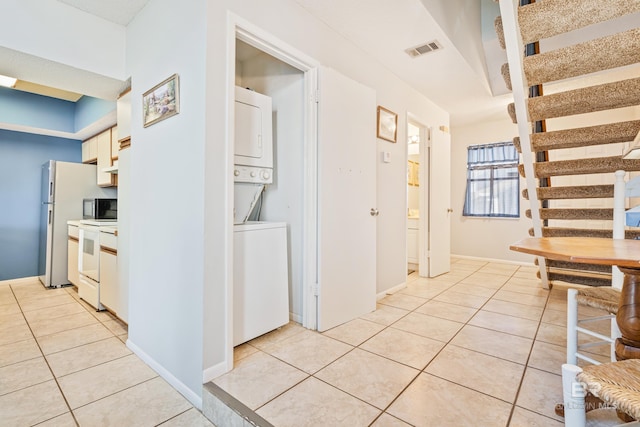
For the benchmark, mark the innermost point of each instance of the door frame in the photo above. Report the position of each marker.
(423, 200)
(239, 28)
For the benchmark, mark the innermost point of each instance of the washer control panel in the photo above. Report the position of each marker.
(252, 174)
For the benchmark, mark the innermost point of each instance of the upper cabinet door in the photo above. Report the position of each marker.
(346, 199)
(105, 179)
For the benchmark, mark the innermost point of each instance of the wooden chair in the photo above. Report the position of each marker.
(617, 384)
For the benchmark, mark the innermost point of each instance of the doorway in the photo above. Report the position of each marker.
(417, 197)
(260, 61)
(321, 130)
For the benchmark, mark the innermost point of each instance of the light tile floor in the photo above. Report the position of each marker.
(64, 364)
(479, 346)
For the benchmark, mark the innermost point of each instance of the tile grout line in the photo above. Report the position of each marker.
(526, 366)
(55, 378)
(47, 362)
(426, 300)
(422, 371)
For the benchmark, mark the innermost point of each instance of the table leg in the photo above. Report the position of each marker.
(628, 317)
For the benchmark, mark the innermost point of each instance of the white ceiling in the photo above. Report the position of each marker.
(446, 77)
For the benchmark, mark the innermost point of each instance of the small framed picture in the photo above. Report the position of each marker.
(387, 124)
(161, 102)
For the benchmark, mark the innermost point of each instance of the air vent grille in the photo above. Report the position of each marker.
(423, 48)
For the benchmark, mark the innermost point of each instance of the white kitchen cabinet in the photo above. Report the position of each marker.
(72, 255)
(109, 292)
(104, 179)
(90, 150)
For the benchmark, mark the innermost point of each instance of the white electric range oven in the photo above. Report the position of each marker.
(89, 260)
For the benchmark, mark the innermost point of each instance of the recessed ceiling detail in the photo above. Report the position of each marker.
(47, 91)
(422, 49)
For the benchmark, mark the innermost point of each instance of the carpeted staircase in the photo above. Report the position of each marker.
(574, 165)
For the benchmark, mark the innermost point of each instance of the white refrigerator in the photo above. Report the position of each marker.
(64, 186)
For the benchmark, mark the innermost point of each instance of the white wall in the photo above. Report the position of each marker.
(167, 194)
(483, 237)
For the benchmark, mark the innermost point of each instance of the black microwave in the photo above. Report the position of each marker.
(100, 209)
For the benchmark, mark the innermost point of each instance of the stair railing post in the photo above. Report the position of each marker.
(515, 49)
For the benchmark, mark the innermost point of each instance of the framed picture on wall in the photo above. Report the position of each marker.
(161, 102)
(387, 124)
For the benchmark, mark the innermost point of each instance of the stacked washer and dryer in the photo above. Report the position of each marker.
(261, 274)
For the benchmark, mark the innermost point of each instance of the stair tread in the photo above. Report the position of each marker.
(581, 137)
(574, 213)
(574, 192)
(584, 232)
(579, 274)
(543, 19)
(570, 267)
(583, 58)
(601, 97)
(583, 166)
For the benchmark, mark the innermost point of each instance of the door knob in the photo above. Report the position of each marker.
(450, 210)
(374, 212)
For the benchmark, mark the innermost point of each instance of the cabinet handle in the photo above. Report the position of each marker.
(108, 250)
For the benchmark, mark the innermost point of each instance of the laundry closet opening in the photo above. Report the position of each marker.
(268, 193)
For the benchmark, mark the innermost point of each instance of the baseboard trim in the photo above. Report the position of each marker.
(19, 281)
(501, 261)
(214, 372)
(391, 290)
(295, 317)
(189, 394)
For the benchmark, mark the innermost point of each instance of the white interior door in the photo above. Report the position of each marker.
(439, 203)
(346, 197)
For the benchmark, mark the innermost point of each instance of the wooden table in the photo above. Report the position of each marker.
(623, 253)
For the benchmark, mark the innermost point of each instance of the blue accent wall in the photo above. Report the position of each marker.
(42, 112)
(89, 109)
(21, 159)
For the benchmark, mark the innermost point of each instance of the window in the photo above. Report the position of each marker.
(493, 184)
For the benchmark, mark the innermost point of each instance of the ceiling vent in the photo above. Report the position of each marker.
(424, 48)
